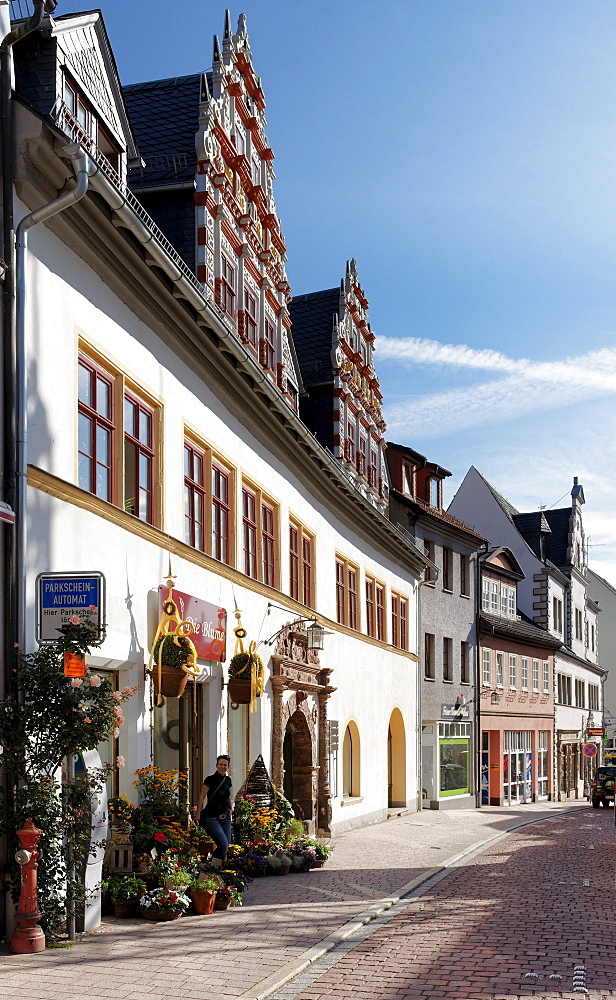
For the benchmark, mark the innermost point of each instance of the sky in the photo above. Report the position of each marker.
(464, 152)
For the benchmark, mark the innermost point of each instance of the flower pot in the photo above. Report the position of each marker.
(172, 682)
(106, 904)
(239, 691)
(124, 907)
(205, 848)
(221, 904)
(120, 835)
(203, 900)
(319, 862)
(159, 915)
(283, 870)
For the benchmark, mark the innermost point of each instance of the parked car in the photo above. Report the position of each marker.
(602, 786)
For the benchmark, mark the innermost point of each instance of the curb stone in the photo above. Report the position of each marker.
(268, 986)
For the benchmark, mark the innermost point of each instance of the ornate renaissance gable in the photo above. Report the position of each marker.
(335, 346)
(240, 245)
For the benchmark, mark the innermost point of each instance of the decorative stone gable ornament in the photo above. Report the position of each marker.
(173, 658)
(246, 674)
(258, 785)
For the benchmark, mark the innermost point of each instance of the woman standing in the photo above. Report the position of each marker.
(215, 816)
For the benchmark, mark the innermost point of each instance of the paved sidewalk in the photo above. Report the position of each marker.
(532, 915)
(246, 952)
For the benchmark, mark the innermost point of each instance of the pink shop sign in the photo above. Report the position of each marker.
(210, 623)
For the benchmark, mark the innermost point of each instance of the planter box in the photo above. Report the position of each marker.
(173, 681)
(239, 692)
(125, 908)
(160, 914)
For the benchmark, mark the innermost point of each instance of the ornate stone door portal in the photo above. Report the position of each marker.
(300, 751)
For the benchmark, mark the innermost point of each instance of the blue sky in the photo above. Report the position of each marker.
(464, 152)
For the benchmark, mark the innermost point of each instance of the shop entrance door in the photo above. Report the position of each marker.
(516, 768)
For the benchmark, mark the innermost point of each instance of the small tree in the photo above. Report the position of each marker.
(45, 718)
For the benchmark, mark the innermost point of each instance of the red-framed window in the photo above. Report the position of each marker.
(249, 525)
(372, 470)
(268, 545)
(268, 346)
(250, 318)
(350, 456)
(370, 619)
(138, 459)
(380, 612)
(346, 593)
(307, 557)
(227, 286)
(221, 512)
(294, 562)
(95, 430)
(395, 620)
(194, 497)
(403, 623)
(362, 460)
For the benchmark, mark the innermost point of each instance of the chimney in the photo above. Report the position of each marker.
(577, 494)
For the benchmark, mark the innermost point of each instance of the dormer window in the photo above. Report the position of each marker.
(407, 480)
(86, 127)
(498, 598)
(433, 492)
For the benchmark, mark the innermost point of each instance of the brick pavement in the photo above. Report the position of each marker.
(504, 924)
(229, 954)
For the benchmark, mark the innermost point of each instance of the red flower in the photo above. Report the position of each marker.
(160, 837)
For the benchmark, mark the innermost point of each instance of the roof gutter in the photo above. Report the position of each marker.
(81, 165)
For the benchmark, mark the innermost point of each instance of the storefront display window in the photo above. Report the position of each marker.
(454, 758)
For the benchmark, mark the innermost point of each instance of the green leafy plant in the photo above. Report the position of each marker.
(209, 882)
(174, 654)
(239, 667)
(124, 887)
(44, 718)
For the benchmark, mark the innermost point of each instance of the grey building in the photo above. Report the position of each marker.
(448, 615)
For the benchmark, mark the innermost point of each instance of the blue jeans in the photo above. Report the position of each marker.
(220, 832)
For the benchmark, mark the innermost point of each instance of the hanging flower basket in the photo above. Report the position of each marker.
(173, 658)
(240, 692)
(245, 679)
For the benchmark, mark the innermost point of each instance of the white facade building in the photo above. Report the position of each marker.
(550, 548)
(159, 438)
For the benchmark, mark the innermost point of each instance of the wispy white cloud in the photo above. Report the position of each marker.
(596, 369)
(524, 386)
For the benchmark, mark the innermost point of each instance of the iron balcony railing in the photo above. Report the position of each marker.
(66, 121)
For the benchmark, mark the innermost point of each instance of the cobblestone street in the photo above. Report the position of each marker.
(530, 916)
(520, 905)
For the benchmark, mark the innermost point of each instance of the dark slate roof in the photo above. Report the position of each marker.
(523, 630)
(535, 521)
(164, 115)
(557, 542)
(313, 321)
(35, 71)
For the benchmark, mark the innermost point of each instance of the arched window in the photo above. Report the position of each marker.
(351, 762)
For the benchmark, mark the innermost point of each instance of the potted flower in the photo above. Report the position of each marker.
(124, 891)
(121, 816)
(245, 676)
(203, 892)
(163, 904)
(278, 864)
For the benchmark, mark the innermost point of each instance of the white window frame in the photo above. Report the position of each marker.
(546, 676)
(500, 670)
(524, 675)
(513, 672)
(486, 668)
(536, 676)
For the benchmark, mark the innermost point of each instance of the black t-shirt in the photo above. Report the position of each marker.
(218, 794)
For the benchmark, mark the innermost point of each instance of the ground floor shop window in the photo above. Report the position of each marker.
(454, 757)
(542, 765)
(238, 743)
(350, 762)
(517, 767)
(427, 763)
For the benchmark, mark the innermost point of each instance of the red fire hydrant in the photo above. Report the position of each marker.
(28, 935)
